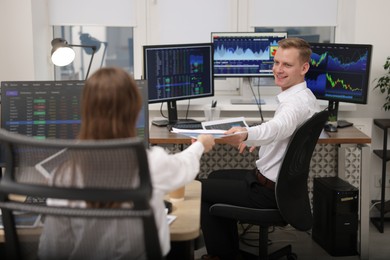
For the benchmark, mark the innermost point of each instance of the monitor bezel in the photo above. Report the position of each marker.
(147, 48)
(365, 87)
(242, 34)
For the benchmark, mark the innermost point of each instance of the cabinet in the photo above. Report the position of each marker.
(384, 154)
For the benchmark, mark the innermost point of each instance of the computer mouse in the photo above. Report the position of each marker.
(330, 128)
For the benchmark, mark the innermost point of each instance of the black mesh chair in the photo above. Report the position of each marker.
(291, 191)
(113, 181)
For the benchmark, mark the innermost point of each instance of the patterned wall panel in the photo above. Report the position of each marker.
(353, 157)
(226, 157)
(324, 162)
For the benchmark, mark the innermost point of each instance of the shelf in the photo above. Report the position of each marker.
(378, 206)
(381, 154)
(384, 154)
(378, 222)
(382, 123)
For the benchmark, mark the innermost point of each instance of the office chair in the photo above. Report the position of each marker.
(291, 191)
(113, 181)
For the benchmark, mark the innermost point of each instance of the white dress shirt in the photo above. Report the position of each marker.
(120, 238)
(169, 172)
(295, 105)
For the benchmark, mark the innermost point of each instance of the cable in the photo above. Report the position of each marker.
(374, 204)
(188, 108)
(247, 230)
(257, 100)
(161, 112)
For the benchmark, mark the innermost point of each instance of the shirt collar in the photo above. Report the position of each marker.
(291, 91)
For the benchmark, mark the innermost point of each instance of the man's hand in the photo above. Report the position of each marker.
(236, 139)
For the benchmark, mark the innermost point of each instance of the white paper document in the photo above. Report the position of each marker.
(217, 128)
(194, 133)
(171, 218)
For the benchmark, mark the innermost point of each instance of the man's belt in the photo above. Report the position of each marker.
(264, 181)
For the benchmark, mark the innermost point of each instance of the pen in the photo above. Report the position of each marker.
(214, 103)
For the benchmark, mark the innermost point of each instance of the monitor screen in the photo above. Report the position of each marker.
(177, 72)
(52, 109)
(340, 72)
(245, 54)
(41, 109)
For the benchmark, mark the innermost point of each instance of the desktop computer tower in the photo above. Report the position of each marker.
(335, 216)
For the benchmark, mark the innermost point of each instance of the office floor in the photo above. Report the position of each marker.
(307, 249)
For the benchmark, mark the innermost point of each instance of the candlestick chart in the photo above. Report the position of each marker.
(338, 73)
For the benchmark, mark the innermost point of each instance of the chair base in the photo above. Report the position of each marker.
(281, 252)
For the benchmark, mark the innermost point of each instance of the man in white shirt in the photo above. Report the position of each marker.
(255, 188)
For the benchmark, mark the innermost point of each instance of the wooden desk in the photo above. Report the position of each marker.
(344, 138)
(187, 224)
(348, 135)
(186, 227)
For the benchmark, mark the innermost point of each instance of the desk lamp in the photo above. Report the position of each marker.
(62, 54)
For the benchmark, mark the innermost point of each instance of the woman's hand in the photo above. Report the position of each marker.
(208, 142)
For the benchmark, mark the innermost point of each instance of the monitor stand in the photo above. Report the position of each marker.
(172, 116)
(333, 108)
(162, 122)
(247, 101)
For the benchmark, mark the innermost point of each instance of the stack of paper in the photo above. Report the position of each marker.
(217, 128)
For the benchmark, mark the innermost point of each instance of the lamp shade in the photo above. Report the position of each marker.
(61, 54)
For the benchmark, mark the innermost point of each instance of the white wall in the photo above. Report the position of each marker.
(16, 44)
(371, 27)
(43, 66)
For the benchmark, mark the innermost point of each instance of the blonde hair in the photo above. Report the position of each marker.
(110, 105)
(301, 45)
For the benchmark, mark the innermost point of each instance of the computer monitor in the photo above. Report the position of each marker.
(177, 72)
(245, 54)
(143, 117)
(339, 73)
(41, 109)
(52, 109)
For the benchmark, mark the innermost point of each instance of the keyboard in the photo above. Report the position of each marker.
(255, 123)
(188, 125)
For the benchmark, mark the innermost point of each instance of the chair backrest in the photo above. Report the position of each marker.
(291, 187)
(105, 180)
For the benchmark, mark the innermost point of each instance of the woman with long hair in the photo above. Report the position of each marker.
(111, 103)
